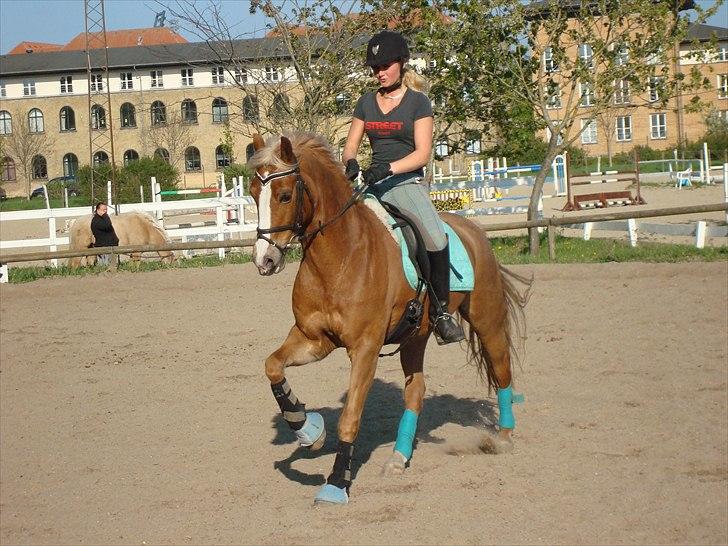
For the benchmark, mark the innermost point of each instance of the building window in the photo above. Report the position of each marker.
(70, 165)
(187, 77)
(39, 168)
(586, 55)
(272, 74)
(220, 111)
(35, 121)
(189, 111)
(3, 92)
(130, 156)
(241, 75)
(98, 117)
(218, 75)
(656, 57)
(100, 158)
(658, 126)
(654, 88)
(251, 112)
(126, 81)
(473, 146)
(66, 84)
(6, 123)
(68, 119)
(7, 170)
(97, 82)
(549, 64)
(622, 57)
(128, 115)
(192, 159)
(162, 153)
(722, 52)
(156, 77)
(589, 131)
(621, 92)
(723, 114)
(222, 159)
(442, 149)
(553, 96)
(28, 88)
(624, 128)
(723, 86)
(587, 94)
(159, 113)
(280, 107)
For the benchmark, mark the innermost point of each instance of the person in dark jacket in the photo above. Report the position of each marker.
(103, 231)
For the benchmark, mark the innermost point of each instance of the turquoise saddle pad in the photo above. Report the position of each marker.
(462, 277)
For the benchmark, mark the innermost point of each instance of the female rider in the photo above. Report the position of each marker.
(398, 121)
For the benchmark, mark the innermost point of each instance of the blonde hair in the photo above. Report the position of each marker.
(413, 80)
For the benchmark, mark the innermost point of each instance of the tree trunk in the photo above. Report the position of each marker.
(533, 235)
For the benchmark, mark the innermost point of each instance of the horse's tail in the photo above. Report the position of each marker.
(515, 299)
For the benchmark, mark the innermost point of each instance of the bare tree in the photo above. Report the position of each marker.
(27, 148)
(173, 134)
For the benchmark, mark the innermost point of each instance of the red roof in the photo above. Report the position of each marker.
(128, 38)
(34, 47)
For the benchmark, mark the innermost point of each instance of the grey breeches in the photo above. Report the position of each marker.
(413, 201)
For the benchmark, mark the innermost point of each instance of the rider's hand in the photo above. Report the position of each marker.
(352, 169)
(376, 172)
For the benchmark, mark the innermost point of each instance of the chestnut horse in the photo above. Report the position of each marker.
(350, 291)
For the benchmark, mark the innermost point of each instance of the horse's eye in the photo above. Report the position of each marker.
(285, 197)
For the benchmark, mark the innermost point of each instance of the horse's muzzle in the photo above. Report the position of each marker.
(267, 258)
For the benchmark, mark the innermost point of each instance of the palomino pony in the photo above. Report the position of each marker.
(350, 291)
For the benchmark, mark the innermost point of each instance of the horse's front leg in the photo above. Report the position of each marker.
(363, 365)
(296, 350)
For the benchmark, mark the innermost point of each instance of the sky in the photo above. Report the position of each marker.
(58, 21)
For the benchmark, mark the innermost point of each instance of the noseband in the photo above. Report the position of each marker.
(297, 227)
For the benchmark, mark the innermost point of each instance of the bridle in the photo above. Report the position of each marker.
(298, 227)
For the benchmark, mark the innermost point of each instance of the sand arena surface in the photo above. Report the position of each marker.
(134, 408)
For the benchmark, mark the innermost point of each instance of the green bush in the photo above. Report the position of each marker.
(128, 179)
(236, 170)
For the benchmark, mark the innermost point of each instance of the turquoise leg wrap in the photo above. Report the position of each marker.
(406, 433)
(505, 408)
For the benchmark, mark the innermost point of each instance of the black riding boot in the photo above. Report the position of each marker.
(446, 328)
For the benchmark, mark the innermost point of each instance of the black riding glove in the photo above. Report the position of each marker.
(352, 169)
(376, 172)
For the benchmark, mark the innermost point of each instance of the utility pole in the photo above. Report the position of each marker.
(100, 129)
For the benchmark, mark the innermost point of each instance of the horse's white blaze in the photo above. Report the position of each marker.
(264, 221)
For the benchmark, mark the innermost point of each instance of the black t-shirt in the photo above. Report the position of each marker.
(392, 135)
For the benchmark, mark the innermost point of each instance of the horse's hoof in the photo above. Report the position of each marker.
(395, 465)
(313, 433)
(330, 494)
(502, 443)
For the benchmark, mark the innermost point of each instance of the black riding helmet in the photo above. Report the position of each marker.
(386, 47)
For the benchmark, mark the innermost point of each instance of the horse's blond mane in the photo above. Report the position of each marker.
(304, 144)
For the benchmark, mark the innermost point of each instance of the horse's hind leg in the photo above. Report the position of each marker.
(296, 350)
(411, 357)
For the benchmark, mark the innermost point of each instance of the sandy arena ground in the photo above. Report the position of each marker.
(134, 409)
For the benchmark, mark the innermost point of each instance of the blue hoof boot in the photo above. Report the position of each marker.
(330, 494)
(313, 433)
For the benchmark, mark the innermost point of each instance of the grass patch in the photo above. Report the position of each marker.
(509, 250)
(21, 203)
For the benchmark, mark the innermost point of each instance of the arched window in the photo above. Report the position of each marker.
(192, 159)
(128, 115)
(100, 158)
(129, 156)
(7, 169)
(189, 111)
(35, 121)
(162, 153)
(249, 151)
(280, 107)
(68, 119)
(70, 165)
(159, 113)
(219, 110)
(251, 112)
(98, 117)
(39, 167)
(6, 123)
(222, 159)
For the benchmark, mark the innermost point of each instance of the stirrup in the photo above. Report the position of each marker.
(447, 330)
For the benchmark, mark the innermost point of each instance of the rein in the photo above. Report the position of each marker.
(297, 227)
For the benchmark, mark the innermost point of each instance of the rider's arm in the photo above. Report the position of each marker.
(353, 140)
(423, 148)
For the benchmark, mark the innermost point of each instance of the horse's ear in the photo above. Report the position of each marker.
(258, 141)
(287, 151)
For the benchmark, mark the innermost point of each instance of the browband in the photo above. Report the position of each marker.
(275, 176)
